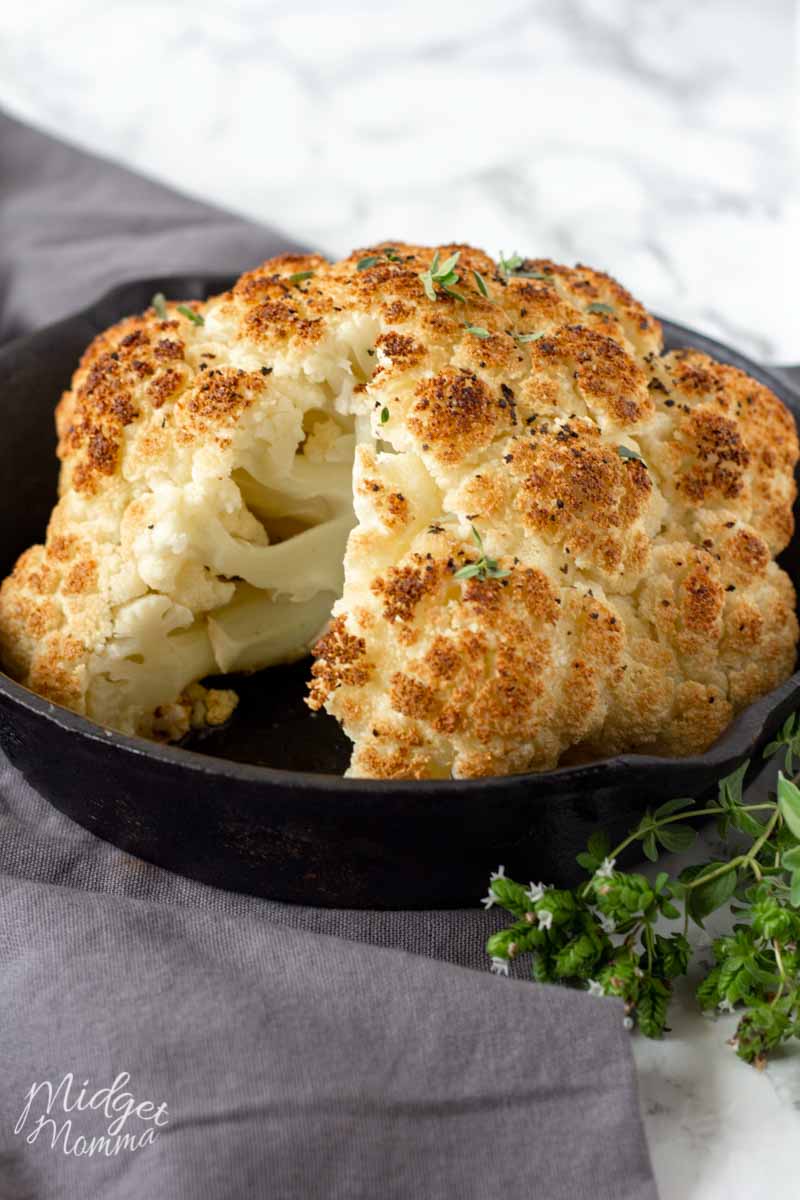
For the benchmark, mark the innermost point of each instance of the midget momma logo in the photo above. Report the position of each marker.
(79, 1120)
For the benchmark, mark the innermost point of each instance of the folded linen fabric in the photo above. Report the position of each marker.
(163, 1038)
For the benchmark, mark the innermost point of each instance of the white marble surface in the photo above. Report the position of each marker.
(655, 139)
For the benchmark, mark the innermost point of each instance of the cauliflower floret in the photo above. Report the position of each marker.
(565, 539)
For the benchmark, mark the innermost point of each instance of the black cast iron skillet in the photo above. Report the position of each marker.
(260, 806)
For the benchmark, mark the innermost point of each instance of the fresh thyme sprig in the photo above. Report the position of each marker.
(598, 307)
(369, 260)
(480, 284)
(483, 567)
(602, 934)
(159, 303)
(479, 331)
(626, 452)
(515, 265)
(195, 317)
(442, 275)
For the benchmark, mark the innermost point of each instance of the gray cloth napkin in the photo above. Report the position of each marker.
(160, 1038)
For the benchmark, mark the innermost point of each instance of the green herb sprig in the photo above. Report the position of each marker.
(299, 277)
(479, 331)
(442, 275)
(789, 740)
(631, 455)
(515, 265)
(195, 317)
(597, 307)
(369, 260)
(159, 303)
(483, 567)
(602, 935)
(480, 284)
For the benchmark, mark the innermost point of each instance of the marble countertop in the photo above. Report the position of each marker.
(654, 140)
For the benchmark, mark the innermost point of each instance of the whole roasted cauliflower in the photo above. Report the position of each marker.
(565, 539)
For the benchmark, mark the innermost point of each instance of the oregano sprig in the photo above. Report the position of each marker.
(602, 935)
(788, 740)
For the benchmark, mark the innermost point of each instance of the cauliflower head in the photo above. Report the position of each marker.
(564, 542)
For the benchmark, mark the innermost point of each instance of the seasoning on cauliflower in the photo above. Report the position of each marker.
(565, 542)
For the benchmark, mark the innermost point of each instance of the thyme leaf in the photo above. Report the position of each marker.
(443, 275)
(195, 317)
(597, 307)
(483, 567)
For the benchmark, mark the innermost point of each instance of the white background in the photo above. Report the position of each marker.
(653, 139)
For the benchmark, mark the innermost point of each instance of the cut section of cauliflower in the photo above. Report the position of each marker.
(205, 503)
(565, 539)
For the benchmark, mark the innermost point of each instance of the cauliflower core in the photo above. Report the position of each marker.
(565, 539)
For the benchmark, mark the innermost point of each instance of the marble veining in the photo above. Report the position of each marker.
(655, 139)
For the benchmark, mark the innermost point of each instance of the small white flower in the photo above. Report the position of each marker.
(606, 923)
(627, 1023)
(535, 892)
(500, 873)
(499, 966)
(725, 1006)
(488, 901)
(596, 988)
(545, 919)
(606, 868)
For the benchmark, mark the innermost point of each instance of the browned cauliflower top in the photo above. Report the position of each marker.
(564, 543)
(616, 509)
